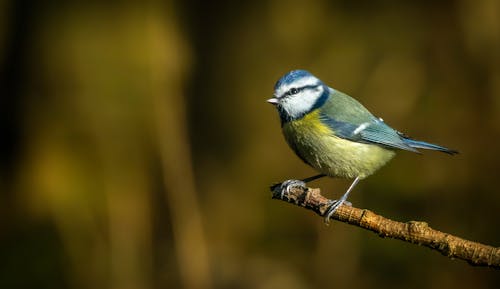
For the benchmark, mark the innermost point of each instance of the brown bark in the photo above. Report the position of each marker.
(415, 232)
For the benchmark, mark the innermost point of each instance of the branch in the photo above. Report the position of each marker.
(413, 231)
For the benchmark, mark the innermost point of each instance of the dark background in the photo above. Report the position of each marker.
(137, 147)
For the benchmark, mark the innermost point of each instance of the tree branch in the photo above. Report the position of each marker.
(413, 231)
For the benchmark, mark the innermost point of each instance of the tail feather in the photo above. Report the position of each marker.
(425, 145)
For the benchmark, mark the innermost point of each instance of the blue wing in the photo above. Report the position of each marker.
(349, 119)
(374, 131)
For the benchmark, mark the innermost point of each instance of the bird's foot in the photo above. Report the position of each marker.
(333, 205)
(287, 185)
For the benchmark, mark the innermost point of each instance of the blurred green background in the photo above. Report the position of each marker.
(137, 146)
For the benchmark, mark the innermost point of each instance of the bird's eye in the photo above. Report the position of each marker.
(294, 91)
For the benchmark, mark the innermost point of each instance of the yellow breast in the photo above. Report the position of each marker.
(317, 145)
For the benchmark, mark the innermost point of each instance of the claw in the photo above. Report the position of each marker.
(333, 206)
(287, 185)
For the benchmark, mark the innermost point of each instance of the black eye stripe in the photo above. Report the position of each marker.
(295, 90)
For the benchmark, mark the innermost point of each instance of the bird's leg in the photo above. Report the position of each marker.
(337, 203)
(288, 184)
(310, 179)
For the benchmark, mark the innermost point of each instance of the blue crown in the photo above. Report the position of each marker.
(291, 77)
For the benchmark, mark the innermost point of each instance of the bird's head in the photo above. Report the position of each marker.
(297, 93)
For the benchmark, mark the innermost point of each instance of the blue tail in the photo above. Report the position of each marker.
(424, 145)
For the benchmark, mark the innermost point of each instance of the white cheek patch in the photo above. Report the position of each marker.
(298, 105)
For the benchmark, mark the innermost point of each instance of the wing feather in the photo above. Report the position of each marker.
(374, 131)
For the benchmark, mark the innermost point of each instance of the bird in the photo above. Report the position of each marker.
(334, 133)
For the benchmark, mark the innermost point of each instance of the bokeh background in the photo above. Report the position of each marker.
(137, 147)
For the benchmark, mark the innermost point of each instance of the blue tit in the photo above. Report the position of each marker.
(334, 133)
